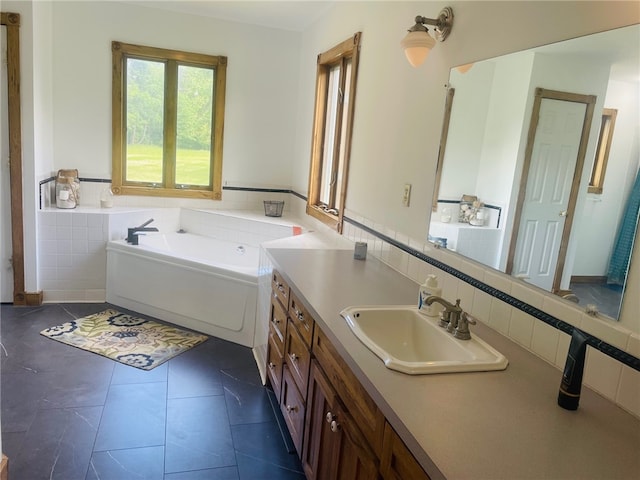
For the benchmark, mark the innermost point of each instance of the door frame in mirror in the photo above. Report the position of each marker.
(540, 94)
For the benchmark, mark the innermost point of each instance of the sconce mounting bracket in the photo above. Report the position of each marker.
(442, 24)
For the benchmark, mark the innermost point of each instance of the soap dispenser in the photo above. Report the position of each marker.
(428, 288)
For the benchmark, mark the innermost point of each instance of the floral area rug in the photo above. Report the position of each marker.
(140, 343)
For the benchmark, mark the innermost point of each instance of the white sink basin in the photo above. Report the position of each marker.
(410, 342)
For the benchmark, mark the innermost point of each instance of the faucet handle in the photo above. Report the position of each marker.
(470, 318)
(444, 319)
(462, 330)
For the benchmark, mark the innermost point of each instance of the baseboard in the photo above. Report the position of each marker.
(4, 468)
(34, 299)
(30, 299)
(595, 279)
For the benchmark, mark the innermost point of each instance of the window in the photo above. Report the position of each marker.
(596, 183)
(168, 118)
(331, 141)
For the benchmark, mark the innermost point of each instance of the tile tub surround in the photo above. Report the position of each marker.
(72, 415)
(71, 243)
(508, 422)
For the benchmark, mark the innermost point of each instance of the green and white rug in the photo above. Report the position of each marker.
(140, 343)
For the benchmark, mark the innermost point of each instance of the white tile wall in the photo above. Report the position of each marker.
(72, 255)
(71, 243)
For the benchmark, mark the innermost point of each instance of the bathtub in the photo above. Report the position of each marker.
(202, 283)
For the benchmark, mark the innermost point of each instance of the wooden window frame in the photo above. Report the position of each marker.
(596, 184)
(348, 49)
(120, 53)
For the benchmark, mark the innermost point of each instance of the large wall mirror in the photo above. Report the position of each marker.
(538, 169)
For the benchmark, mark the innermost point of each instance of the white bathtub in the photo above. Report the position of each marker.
(195, 281)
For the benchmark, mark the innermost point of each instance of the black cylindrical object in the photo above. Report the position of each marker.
(569, 394)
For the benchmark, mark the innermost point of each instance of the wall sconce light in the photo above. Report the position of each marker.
(418, 43)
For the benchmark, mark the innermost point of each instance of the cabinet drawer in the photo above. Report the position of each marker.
(362, 408)
(397, 462)
(297, 357)
(278, 321)
(301, 318)
(274, 367)
(293, 408)
(280, 288)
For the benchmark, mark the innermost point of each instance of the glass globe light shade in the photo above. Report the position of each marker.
(417, 46)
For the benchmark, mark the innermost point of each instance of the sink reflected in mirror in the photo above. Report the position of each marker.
(410, 342)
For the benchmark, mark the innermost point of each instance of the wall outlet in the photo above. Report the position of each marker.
(406, 195)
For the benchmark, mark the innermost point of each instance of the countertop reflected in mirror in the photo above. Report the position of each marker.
(484, 159)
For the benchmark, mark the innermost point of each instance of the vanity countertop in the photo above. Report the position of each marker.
(486, 425)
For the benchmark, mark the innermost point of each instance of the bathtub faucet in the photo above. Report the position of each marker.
(132, 236)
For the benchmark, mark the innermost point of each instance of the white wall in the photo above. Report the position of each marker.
(260, 98)
(602, 212)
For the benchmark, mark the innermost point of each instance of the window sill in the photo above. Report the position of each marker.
(166, 192)
(333, 221)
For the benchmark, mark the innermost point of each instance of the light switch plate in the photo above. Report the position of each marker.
(406, 195)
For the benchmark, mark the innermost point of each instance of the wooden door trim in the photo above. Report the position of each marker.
(540, 94)
(12, 23)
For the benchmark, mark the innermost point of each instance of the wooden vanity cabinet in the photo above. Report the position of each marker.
(337, 429)
(277, 331)
(297, 360)
(364, 410)
(334, 448)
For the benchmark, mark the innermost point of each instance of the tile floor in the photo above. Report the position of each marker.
(606, 297)
(69, 414)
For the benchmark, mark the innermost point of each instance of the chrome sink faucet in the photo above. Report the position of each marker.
(453, 318)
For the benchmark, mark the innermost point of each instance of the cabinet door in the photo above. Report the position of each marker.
(397, 462)
(293, 408)
(297, 357)
(320, 445)
(278, 323)
(301, 318)
(280, 289)
(364, 410)
(356, 461)
(333, 446)
(274, 366)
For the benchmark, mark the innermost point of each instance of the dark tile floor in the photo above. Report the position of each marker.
(606, 297)
(69, 414)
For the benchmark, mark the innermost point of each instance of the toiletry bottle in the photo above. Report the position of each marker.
(428, 288)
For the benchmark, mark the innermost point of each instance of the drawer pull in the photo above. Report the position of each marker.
(272, 365)
(291, 408)
(335, 426)
(276, 321)
(294, 357)
(299, 314)
(330, 417)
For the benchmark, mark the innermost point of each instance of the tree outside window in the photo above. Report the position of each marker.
(168, 115)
